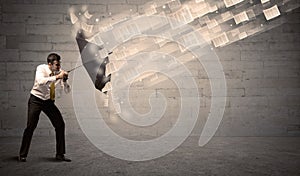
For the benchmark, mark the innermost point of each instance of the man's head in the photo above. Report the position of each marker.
(53, 61)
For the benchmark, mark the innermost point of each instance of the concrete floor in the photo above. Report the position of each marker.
(221, 156)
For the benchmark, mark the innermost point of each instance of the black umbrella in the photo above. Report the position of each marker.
(92, 62)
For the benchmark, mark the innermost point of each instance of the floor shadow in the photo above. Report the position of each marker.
(49, 159)
(10, 159)
(40, 159)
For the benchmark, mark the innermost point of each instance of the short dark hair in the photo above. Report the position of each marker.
(53, 57)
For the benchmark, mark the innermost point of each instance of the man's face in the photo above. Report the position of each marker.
(55, 66)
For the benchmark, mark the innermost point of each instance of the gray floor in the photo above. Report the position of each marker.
(221, 156)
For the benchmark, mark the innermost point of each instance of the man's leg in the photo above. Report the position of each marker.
(34, 110)
(57, 121)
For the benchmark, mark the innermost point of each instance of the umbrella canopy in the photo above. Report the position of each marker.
(92, 62)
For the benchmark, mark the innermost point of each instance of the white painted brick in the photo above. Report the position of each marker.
(280, 55)
(273, 55)
(282, 64)
(233, 74)
(2, 41)
(196, 69)
(11, 132)
(256, 46)
(241, 65)
(2, 69)
(206, 102)
(61, 39)
(168, 93)
(26, 85)
(239, 126)
(42, 2)
(31, 1)
(138, 2)
(32, 38)
(194, 64)
(15, 119)
(93, 9)
(73, 2)
(9, 55)
(65, 47)
(240, 92)
(18, 99)
(9, 85)
(3, 101)
(293, 101)
(203, 83)
(68, 113)
(44, 122)
(25, 75)
(225, 55)
(166, 84)
(64, 101)
(72, 127)
(33, 18)
(266, 129)
(275, 112)
(41, 57)
(235, 92)
(201, 73)
(118, 8)
(12, 1)
(12, 42)
(279, 37)
(34, 56)
(263, 92)
(287, 46)
(35, 8)
(294, 113)
(44, 132)
(249, 65)
(235, 47)
(35, 46)
(278, 101)
(234, 83)
(251, 55)
(271, 73)
(290, 91)
(12, 29)
(280, 83)
(252, 83)
(243, 111)
(21, 70)
(248, 101)
(252, 74)
(289, 73)
(291, 27)
(67, 66)
(1, 13)
(106, 2)
(48, 29)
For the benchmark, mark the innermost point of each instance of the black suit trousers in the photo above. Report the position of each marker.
(35, 106)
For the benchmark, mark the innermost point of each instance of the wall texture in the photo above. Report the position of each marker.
(262, 73)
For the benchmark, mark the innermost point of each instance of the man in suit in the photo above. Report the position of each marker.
(42, 98)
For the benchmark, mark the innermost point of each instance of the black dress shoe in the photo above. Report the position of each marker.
(22, 159)
(62, 158)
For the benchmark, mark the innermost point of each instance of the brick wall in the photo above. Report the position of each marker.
(262, 72)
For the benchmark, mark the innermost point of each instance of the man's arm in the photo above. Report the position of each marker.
(42, 78)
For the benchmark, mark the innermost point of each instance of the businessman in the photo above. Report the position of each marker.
(42, 98)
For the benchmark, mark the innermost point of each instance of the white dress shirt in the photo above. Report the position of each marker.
(41, 87)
